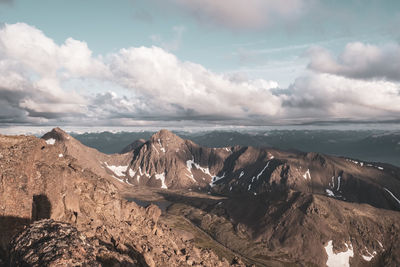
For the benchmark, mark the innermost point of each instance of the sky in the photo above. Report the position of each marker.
(198, 62)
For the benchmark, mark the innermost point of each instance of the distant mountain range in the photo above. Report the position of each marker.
(368, 145)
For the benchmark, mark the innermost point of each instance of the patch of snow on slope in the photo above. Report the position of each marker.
(118, 170)
(121, 180)
(329, 192)
(131, 173)
(161, 147)
(338, 186)
(248, 189)
(161, 177)
(369, 257)
(307, 174)
(145, 173)
(51, 141)
(387, 190)
(126, 181)
(215, 179)
(258, 176)
(189, 165)
(340, 259)
(60, 155)
(241, 174)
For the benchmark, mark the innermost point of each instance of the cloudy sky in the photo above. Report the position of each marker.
(225, 62)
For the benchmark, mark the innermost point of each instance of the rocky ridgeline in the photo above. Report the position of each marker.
(40, 179)
(166, 161)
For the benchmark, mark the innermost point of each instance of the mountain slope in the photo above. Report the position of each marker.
(40, 179)
(167, 161)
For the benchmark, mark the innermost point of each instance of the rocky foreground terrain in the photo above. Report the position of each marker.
(64, 203)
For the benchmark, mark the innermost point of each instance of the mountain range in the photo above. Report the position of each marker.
(233, 205)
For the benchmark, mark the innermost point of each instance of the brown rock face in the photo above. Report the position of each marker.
(57, 178)
(50, 243)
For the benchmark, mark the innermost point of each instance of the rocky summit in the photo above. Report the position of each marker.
(170, 202)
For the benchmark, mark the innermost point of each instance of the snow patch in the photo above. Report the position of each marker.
(51, 141)
(118, 170)
(338, 186)
(340, 259)
(161, 177)
(145, 173)
(132, 173)
(189, 165)
(248, 189)
(258, 176)
(307, 174)
(370, 256)
(241, 174)
(215, 179)
(121, 180)
(60, 155)
(333, 182)
(329, 192)
(161, 147)
(387, 190)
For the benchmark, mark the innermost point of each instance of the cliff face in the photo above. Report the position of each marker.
(41, 179)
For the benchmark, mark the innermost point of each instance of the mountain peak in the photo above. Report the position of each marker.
(164, 134)
(57, 134)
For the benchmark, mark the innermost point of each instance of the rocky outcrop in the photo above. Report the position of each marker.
(50, 243)
(42, 179)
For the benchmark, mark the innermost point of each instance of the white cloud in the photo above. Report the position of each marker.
(359, 60)
(329, 97)
(245, 14)
(33, 66)
(184, 88)
(154, 85)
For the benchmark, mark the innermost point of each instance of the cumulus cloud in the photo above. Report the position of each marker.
(31, 69)
(151, 84)
(34, 69)
(359, 60)
(329, 97)
(175, 87)
(245, 14)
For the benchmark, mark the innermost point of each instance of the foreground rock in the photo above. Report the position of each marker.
(42, 180)
(50, 243)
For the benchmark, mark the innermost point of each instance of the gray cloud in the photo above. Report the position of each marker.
(148, 85)
(360, 61)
